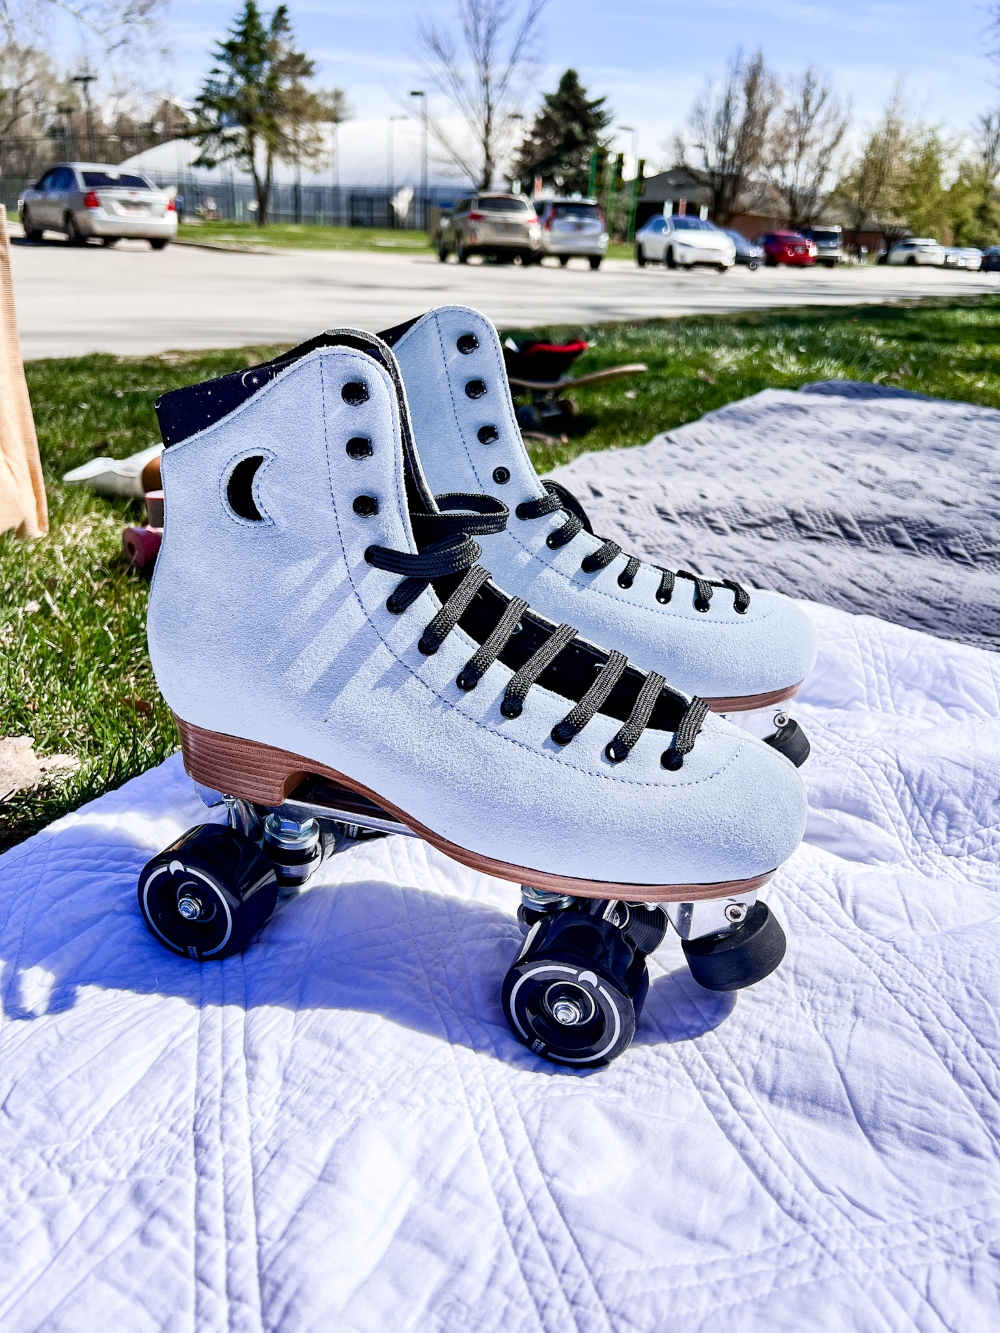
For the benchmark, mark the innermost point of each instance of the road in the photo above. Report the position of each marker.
(132, 301)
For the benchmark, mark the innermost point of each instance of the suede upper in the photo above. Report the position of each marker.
(276, 629)
(714, 653)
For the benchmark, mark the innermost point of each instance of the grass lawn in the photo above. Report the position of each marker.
(73, 667)
(288, 236)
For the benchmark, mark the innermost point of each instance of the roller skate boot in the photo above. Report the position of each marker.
(340, 665)
(744, 651)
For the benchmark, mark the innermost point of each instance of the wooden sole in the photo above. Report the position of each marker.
(266, 775)
(746, 703)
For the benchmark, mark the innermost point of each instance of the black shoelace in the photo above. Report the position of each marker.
(458, 552)
(559, 498)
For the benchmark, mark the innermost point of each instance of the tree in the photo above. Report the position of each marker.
(973, 203)
(256, 106)
(871, 192)
(30, 91)
(483, 75)
(566, 130)
(729, 128)
(115, 23)
(805, 139)
(923, 200)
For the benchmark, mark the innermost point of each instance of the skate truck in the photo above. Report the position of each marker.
(340, 667)
(538, 370)
(576, 989)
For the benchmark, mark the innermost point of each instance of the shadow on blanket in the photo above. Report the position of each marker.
(424, 961)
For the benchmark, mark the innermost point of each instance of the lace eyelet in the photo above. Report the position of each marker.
(703, 606)
(623, 582)
(365, 506)
(392, 608)
(511, 708)
(662, 600)
(475, 389)
(740, 610)
(487, 435)
(562, 733)
(671, 760)
(359, 447)
(467, 343)
(427, 646)
(501, 476)
(355, 393)
(465, 682)
(612, 755)
(589, 565)
(552, 542)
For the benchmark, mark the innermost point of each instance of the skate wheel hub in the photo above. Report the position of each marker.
(569, 1004)
(190, 908)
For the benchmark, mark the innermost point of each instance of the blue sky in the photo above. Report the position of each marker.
(649, 56)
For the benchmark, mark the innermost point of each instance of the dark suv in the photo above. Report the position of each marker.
(829, 242)
(502, 225)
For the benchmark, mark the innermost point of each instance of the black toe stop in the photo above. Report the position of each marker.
(791, 741)
(745, 956)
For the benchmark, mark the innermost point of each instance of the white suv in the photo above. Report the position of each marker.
(917, 250)
(572, 228)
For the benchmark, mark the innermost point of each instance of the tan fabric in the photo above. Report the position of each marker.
(22, 492)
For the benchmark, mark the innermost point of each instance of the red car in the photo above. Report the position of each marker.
(787, 247)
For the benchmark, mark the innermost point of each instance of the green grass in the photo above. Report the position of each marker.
(288, 236)
(74, 673)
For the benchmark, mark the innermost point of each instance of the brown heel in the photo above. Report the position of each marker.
(249, 770)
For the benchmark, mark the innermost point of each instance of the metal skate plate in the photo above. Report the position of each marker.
(317, 798)
(709, 916)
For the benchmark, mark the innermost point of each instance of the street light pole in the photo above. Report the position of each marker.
(86, 80)
(634, 199)
(419, 92)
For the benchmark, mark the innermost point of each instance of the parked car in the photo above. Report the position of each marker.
(991, 259)
(88, 200)
(917, 250)
(787, 247)
(829, 242)
(683, 242)
(971, 258)
(502, 225)
(572, 228)
(747, 252)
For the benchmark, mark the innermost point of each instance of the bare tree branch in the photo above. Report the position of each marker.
(483, 75)
(729, 128)
(805, 139)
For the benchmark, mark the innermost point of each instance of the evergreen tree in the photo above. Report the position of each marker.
(256, 105)
(567, 128)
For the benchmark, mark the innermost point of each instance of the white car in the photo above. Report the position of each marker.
(682, 242)
(88, 200)
(917, 250)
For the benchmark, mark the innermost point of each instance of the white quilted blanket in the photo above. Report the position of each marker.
(337, 1131)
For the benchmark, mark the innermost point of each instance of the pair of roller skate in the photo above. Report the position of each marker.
(369, 615)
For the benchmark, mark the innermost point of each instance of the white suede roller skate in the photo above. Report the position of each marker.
(744, 652)
(339, 664)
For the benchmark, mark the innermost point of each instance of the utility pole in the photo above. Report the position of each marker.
(390, 166)
(419, 92)
(86, 80)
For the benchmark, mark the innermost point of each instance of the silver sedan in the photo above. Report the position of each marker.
(87, 200)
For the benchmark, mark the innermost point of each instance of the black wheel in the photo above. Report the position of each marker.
(208, 893)
(442, 254)
(640, 256)
(159, 244)
(770, 263)
(671, 262)
(563, 260)
(462, 253)
(109, 242)
(528, 417)
(73, 234)
(576, 989)
(911, 262)
(752, 265)
(729, 962)
(595, 261)
(721, 268)
(31, 232)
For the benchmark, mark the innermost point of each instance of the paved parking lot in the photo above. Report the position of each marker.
(131, 300)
